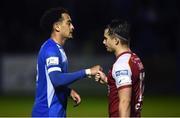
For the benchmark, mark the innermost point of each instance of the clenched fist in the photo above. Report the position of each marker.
(93, 70)
(101, 77)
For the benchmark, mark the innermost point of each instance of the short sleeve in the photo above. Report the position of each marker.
(121, 72)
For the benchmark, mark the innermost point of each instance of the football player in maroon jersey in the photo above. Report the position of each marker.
(125, 79)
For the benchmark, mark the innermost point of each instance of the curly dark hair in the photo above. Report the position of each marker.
(50, 17)
(120, 29)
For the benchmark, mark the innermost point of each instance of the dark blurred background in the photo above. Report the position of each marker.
(155, 38)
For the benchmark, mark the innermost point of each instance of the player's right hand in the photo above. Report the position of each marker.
(101, 77)
(95, 69)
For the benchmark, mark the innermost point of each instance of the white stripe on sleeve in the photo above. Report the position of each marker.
(50, 89)
(54, 69)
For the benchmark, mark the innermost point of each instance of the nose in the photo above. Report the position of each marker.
(104, 42)
(72, 27)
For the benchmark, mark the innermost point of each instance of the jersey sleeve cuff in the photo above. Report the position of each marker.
(125, 86)
(88, 71)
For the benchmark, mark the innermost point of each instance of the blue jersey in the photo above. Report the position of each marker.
(52, 81)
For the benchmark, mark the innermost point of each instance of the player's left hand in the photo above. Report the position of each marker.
(76, 97)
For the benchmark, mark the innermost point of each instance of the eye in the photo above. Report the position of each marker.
(68, 23)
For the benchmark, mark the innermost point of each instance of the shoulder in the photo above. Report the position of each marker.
(49, 48)
(121, 66)
(49, 52)
(122, 61)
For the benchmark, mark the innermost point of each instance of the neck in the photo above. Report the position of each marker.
(119, 51)
(57, 38)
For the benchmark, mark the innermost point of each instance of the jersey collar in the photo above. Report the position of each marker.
(60, 46)
(129, 51)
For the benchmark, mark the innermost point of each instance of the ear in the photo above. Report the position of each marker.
(117, 41)
(57, 27)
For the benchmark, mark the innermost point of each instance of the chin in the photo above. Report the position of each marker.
(109, 50)
(70, 37)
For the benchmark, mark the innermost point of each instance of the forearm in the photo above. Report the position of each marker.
(125, 102)
(60, 79)
(124, 109)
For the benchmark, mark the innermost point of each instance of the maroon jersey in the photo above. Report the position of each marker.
(127, 71)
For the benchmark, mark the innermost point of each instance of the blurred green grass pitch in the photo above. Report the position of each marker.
(92, 106)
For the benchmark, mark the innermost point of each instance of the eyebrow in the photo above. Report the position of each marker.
(70, 21)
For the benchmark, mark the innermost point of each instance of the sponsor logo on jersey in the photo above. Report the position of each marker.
(121, 72)
(52, 61)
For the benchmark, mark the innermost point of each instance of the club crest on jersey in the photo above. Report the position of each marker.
(121, 72)
(52, 61)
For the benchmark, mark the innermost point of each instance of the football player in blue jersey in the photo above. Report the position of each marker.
(53, 77)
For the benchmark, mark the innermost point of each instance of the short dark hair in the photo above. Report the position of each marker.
(120, 29)
(50, 17)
